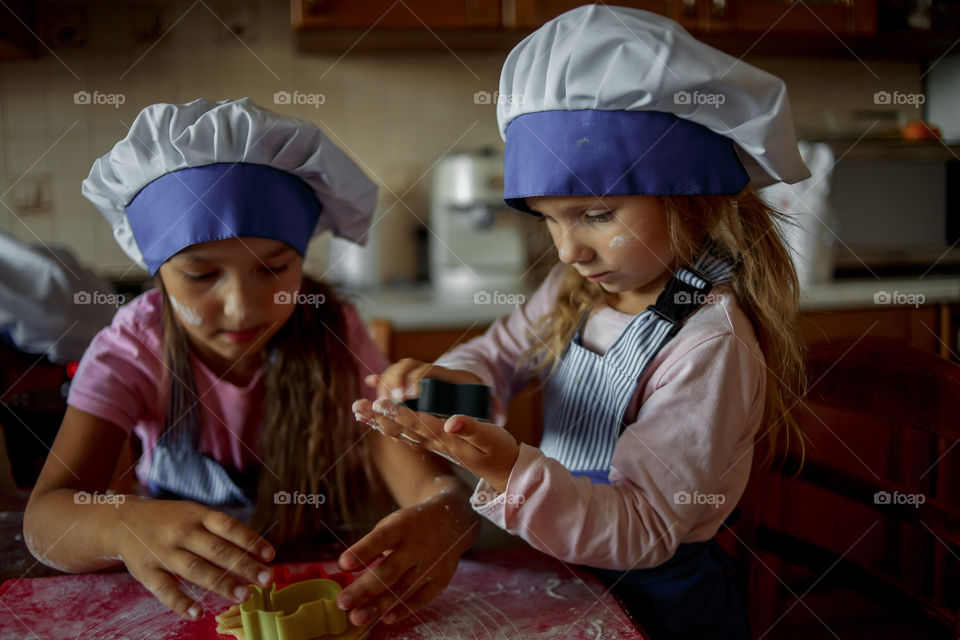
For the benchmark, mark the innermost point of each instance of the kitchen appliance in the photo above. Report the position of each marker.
(808, 234)
(897, 207)
(476, 243)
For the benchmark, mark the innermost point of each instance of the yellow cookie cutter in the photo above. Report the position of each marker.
(299, 611)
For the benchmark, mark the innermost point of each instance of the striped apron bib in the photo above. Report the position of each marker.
(180, 470)
(692, 596)
(586, 397)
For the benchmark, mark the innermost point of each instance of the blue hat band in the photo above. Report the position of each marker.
(219, 201)
(596, 153)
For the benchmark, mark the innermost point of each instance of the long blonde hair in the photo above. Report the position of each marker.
(309, 440)
(764, 282)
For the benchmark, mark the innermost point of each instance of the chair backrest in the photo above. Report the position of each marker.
(882, 418)
(890, 381)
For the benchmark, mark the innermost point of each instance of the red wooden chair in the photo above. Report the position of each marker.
(872, 515)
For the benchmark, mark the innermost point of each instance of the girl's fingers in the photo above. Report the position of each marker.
(370, 547)
(242, 536)
(165, 588)
(482, 435)
(363, 412)
(228, 559)
(465, 427)
(392, 595)
(208, 577)
(375, 584)
(399, 377)
(418, 425)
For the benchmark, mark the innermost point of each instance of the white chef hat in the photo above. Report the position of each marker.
(202, 171)
(606, 100)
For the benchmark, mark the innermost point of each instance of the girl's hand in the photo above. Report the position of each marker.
(420, 547)
(163, 540)
(401, 380)
(484, 448)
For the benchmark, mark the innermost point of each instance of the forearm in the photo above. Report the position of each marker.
(73, 536)
(432, 481)
(578, 521)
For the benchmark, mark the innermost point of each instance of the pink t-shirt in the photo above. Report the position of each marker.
(692, 420)
(120, 375)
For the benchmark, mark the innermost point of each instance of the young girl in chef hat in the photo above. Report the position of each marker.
(236, 374)
(667, 338)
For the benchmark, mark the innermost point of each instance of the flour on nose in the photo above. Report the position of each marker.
(186, 313)
(618, 241)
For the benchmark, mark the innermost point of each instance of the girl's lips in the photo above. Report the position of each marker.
(243, 336)
(598, 277)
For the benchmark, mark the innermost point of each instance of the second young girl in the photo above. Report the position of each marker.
(235, 374)
(666, 340)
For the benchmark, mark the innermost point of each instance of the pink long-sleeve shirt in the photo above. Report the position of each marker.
(119, 379)
(681, 464)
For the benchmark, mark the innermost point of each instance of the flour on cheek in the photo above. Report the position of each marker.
(618, 241)
(188, 315)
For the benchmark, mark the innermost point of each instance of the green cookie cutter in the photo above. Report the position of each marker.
(299, 611)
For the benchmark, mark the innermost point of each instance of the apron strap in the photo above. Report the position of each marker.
(682, 295)
(679, 299)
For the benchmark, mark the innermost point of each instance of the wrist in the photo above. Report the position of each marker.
(120, 531)
(501, 477)
(455, 503)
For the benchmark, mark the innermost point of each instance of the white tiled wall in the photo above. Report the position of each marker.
(394, 114)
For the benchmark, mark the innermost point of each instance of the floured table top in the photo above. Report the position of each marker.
(503, 594)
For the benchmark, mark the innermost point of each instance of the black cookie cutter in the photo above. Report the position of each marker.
(445, 399)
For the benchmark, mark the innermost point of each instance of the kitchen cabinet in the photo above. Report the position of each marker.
(778, 17)
(730, 16)
(416, 14)
(735, 26)
(530, 14)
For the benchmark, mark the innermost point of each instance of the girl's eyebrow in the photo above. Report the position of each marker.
(277, 252)
(199, 257)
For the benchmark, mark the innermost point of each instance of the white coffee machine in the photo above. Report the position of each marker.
(476, 242)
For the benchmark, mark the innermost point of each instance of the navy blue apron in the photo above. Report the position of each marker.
(692, 595)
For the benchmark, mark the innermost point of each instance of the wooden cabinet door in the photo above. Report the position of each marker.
(761, 17)
(387, 14)
(810, 17)
(530, 14)
(919, 328)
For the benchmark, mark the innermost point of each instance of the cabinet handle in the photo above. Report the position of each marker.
(719, 9)
(689, 8)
